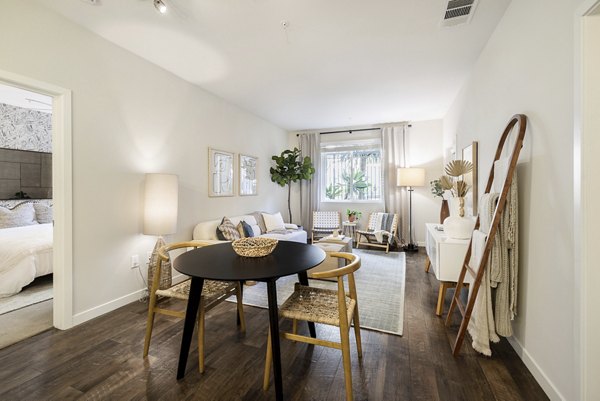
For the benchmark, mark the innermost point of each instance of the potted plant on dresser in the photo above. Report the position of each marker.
(438, 191)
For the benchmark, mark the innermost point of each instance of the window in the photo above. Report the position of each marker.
(351, 171)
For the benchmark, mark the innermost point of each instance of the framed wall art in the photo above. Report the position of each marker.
(248, 175)
(220, 173)
(469, 153)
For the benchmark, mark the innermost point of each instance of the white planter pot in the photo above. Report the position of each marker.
(455, 226)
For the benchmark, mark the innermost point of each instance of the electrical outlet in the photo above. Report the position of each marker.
(135, 261)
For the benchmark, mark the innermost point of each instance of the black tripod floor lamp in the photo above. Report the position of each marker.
(410, 178)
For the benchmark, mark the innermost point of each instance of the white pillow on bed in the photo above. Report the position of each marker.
(43, 213)
(20, 215)
(273, 221)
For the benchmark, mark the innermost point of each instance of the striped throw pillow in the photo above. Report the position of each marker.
(228, 229)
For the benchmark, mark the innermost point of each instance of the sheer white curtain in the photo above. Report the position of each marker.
(393, 147)
(310, 190)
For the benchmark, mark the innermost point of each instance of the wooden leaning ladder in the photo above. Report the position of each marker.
(466, 269)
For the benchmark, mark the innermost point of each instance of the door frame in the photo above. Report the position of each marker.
(62, 190)
(585, 228)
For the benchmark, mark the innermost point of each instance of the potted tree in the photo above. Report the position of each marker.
(291, 167)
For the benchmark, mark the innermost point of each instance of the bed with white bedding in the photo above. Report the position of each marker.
(25, 250)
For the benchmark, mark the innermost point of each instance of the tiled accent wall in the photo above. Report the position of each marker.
(25, 129)
(30, 172)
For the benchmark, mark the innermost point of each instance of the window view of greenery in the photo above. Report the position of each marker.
(352, 175)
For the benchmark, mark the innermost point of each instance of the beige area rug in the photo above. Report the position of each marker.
(27, 313)
(379, 284)
(38, 291)
(25, 322)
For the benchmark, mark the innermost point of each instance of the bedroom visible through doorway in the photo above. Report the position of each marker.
(26, 214)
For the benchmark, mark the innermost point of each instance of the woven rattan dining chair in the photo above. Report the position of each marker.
(367, 237)
(319, 305)
(213, 293)
(325, 223)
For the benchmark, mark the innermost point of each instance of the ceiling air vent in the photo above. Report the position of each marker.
(458, 12)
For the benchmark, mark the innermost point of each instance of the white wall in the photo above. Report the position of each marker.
(425, 144)
(426, 151)
(527, 67)
(130, 117)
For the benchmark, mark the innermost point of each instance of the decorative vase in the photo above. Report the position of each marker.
(444, 211)
(457, 226)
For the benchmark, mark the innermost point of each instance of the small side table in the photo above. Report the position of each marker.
(349, 229)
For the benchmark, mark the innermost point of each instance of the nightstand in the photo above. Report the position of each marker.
(446, 257)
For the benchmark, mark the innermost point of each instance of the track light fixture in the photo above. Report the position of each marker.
(160, 6)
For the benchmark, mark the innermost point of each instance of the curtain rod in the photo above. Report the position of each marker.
(351, 130)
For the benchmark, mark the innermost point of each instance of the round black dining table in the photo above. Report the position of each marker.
(220, 262)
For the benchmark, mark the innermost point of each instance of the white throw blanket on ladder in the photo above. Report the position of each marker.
(487, 323)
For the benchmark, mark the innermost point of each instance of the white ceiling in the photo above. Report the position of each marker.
(25, 99)
(339, 62)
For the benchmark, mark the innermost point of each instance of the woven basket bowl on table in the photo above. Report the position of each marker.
(254, 247)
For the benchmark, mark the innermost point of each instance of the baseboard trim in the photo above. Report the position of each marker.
(116, 303)
(109, 306)
(537, 372)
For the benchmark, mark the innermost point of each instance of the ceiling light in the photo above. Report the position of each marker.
(160, 6)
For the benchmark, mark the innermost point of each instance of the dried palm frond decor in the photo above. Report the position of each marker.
(457, 227)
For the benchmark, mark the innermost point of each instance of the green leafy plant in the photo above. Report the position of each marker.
(355, 183)
(290, 167)
(350, 213)
(333, 191)
(436, 188)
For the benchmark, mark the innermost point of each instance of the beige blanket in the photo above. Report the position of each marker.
(501, 272)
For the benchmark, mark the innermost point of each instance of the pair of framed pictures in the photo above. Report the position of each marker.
(221, 178)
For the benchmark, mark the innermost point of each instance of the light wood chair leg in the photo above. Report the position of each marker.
(268, 361)
(294, 326)
(240, 308)
(201, 317)
(427, 264)
(344, 334)
(149, 324)
(441, 295)
(356, 321)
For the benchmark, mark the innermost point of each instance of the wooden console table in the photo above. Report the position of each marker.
(446, 256)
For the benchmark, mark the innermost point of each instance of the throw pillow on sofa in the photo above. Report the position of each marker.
(227, 230)
(247, 229)
(273, 222)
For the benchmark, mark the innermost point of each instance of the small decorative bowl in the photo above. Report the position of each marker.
(254, 247)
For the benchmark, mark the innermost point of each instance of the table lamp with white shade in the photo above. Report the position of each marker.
(161, 194)
(410, 177)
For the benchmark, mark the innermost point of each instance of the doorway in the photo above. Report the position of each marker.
(25, 214)
(62, 254)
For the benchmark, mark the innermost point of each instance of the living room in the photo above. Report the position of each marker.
(120, 113)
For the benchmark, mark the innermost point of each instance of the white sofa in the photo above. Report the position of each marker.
(207, 230)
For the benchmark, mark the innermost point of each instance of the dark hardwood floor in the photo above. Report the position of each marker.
(101, 360)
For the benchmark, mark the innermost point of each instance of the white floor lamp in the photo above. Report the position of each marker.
(410, 177)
